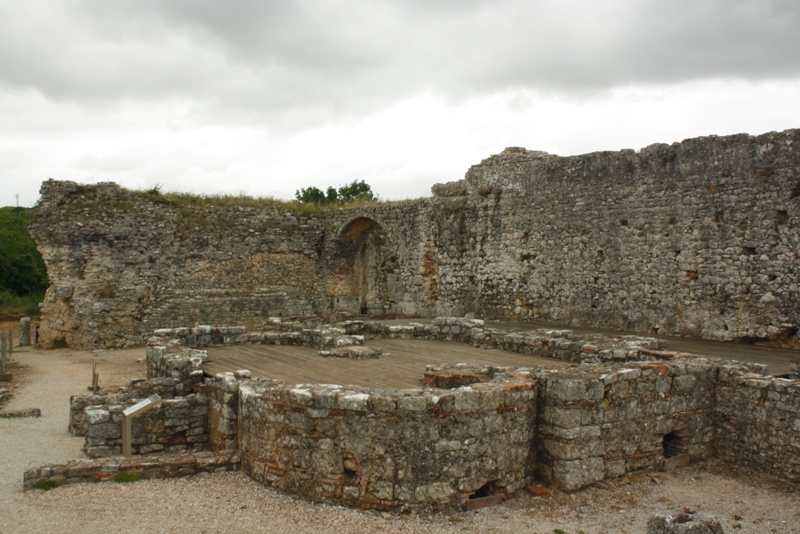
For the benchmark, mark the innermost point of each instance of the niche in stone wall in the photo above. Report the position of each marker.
(356, 274)
(676, 450)
(674, 444)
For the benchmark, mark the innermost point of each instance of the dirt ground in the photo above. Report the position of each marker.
(404, 361)
(777, 358)
(401, 365)
(743, 500)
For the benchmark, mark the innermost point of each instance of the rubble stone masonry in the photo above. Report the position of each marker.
(698, 238)
(469, 430)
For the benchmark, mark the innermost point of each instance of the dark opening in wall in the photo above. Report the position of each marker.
(674, 444)
(483, 491)
(486, 495)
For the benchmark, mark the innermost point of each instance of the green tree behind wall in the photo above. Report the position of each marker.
(357, 190)
(23, 276)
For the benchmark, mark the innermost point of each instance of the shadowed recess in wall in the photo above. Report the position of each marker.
(357, 228)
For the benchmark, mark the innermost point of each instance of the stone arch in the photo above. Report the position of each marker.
(356, 228)
(357, 283)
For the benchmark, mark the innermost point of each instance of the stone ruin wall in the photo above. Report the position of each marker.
(122, 265)
(385, 449)
(698, 238)
(467, 428)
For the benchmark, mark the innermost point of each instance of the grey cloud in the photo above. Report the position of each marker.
(283, 61)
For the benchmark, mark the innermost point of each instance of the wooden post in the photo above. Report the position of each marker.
(2, 349)
(95, 379)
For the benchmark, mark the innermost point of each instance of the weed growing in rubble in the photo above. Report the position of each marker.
(123, 477)
(47, 485)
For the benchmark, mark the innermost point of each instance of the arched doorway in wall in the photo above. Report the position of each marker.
(357, 283)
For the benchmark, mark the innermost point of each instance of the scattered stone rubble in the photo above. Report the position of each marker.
(551, 343)
(469, 431)
(683, 522)
(352, 352)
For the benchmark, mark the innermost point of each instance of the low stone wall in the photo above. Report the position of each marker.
(178, 425)
(600, 422)
(423, 449)
(175, 426)
(170, 359)
(549, 343)
(81, 471)
(471, 430)
(758, 421)
(224, 413)
(137, 390)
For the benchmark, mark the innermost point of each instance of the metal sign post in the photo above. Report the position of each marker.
(128, 414)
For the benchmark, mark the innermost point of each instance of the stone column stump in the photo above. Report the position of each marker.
(25, 331)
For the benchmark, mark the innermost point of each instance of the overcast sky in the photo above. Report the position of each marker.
(267, 97)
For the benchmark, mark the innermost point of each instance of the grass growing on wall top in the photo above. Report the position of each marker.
(245, 201)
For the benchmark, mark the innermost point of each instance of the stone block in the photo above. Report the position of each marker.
(357, 401)
(301, 397)
(64, 292)
(573, 450)
(350, 493)
(683, 522)
(574, 389)
(576, 474)
(96, 416)
(413, 404)
(676, 462)
(105, 430)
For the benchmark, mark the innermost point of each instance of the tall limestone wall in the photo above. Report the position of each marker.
(122, 264)
(698, 238)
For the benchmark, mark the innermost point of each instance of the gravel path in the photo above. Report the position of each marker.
(742, 500)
